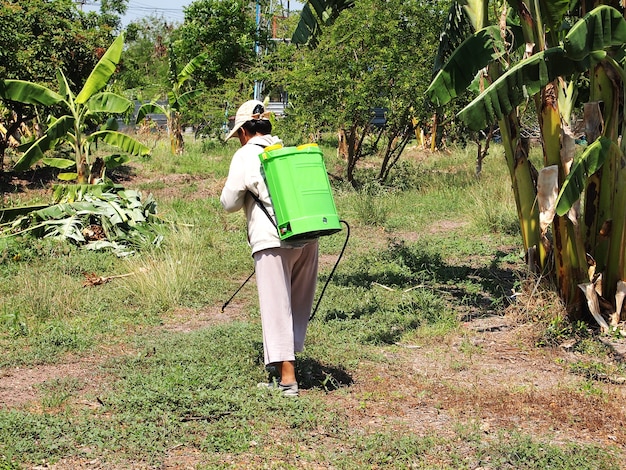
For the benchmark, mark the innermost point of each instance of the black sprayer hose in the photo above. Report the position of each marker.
(334, 268)
(237, 291)
(325, 285)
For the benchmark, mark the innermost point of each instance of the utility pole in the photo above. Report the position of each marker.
(258, 86)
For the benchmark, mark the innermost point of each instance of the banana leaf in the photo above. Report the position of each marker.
(591, 160)
(326, 11)
(602, 28)
(108, 102)
(193, 65)
(29, 93)
(476, 12)
(553, 12)
(57, 130)
(517, 84)
(62, 163)
(103, 70)
(149, 108)
(187, 97)
(11, 213)
(172, 100)
(474, 54)
(122, 141)
(67, 176)
(307, 28)
(113, 161)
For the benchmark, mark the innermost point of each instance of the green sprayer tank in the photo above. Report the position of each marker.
(298, 184)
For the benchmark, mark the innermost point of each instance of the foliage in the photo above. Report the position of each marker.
(177, 99)
(316, 14)
(144, 67)
(573, 247)
(152, 370)
(110, 218)
(37, 38)
(82, 111)
(224, 30)
(373, 56)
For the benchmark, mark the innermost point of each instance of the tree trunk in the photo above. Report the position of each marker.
(176, 134)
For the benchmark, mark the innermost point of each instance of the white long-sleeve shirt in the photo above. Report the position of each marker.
(245, 176)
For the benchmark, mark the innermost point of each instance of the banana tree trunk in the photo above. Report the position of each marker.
(569, 250)
(177, 142)
(605, 198)
(522, 172)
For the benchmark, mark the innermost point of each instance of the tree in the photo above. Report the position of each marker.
(177, 99)
(39, 37)
(224, 30)
(81, 111)
(373, 56)
(144, 68)
(576, 233)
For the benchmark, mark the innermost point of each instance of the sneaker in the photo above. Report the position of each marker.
(288, 390)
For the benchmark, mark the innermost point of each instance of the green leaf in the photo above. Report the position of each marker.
(187, 97)
(12, 213)
(108, 102)
(592, 159)
(67, 176)
(66, 228)
(172, 100)
(29, 93)
(517, 84)
(122, 141)
(554, 11)
(103, 70)
(326, 11)
(476, 11)
(191, 67)
(113, 161)
(59, 162)
(57, 211)
(602, 28)
(149, 108)
(57, 130)
(475, 53)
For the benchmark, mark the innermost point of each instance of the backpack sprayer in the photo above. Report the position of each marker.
(302, 199)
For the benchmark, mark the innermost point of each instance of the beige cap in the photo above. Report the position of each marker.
(252, 109)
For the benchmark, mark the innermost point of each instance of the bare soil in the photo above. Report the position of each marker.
(489, 374)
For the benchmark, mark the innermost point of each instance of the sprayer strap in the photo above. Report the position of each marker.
(263, 208)
(259, 202)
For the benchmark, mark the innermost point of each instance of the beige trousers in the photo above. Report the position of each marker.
(286, 280)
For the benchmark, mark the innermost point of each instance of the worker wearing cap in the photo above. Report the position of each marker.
(286, 271)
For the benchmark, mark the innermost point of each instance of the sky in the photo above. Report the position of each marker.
(171, 10)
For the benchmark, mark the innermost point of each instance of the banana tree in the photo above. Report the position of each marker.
(176, 101)
(81, 111)
(574, 241)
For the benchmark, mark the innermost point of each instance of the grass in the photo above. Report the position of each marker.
(433, 247)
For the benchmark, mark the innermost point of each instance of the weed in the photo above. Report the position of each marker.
(494, 208)
(559, 329)
(522, 452)
(162, 279)
(14, 322)
(58, 391)
(372, 205)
